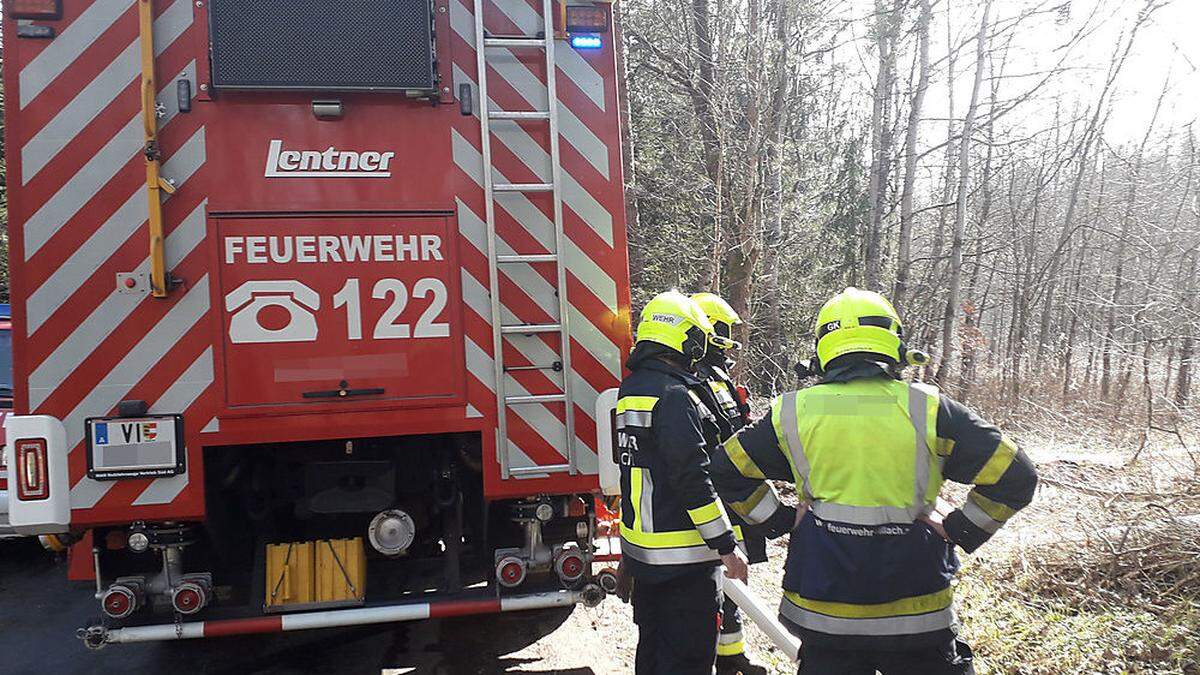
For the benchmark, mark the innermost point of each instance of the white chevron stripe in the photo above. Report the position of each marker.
(143, 357)
(545, 423)
(532, 155)
(100, 92)
(531, 347)
(176, 400)
(62, 51)
(583, 331)
(533, 90)
(480, 365)
(213, 426)
(569, 61)
(105, 319)
(123, 224)
(90, 179)
(537, 224)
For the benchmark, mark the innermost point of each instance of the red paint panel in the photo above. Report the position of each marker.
(310, 302)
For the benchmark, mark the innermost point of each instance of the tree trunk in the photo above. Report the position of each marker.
(887, 25)
(904, 248)
(950, 317)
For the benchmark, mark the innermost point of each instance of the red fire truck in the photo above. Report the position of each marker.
(319, 304)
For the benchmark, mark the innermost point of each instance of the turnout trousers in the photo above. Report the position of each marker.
(730, 642)
(678, 622)
(953, 658)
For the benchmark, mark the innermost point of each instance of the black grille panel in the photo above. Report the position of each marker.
(322, 45)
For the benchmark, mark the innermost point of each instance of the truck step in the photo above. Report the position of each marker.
(523, 187)
(530, 328)
(531, 258)
(535, 470)
(514, 41)
(519, 115)
(535, 398)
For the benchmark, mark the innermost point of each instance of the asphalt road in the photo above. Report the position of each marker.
(40, 612)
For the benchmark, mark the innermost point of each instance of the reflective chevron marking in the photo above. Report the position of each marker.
(101, 323)
(70, 121)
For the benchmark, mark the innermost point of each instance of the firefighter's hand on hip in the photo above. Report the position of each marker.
(934, 519)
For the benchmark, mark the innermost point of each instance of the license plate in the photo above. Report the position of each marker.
(135, 447)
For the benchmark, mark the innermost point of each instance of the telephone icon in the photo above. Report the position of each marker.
(248, 300)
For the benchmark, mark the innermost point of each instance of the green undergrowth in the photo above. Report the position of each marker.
(1015, 632)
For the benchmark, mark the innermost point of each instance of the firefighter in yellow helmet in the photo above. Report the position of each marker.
(867, 582)
(733, 413)
(675, 534)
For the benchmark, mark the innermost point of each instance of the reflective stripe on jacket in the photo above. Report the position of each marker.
(670, 514)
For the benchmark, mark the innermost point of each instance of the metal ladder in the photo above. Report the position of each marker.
(491, 189)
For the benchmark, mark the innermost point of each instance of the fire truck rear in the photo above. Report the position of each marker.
(318, 305)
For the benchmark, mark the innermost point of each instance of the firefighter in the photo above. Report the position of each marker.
(867, 578)
(675, 534)
(733, 413)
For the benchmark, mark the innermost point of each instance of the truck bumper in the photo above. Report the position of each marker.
(98, 636)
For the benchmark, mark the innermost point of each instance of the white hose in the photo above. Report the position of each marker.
(764, 617)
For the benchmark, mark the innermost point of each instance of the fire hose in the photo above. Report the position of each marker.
(763, 617)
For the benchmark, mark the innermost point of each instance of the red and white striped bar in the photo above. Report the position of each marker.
(340, 617)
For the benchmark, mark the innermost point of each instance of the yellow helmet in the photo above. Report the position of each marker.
(674, 320)
(856, 321)
(722, 316)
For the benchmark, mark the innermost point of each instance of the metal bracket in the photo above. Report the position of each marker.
(132, 283)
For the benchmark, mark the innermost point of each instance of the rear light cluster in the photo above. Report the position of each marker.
(33, 480)
(587, 19)
(34, 9)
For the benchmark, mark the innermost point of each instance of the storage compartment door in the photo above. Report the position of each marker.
(344, 311)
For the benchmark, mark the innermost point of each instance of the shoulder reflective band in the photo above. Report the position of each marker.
(741, 459)
(635, 411)
(640, 403)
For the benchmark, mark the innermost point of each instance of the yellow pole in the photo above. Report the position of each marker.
(154, 182)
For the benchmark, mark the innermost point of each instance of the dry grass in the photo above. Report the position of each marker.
(1102, 573)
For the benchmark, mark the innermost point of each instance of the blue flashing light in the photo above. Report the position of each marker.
(586, 41)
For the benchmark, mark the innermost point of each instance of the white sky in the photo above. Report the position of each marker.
(1167, 43)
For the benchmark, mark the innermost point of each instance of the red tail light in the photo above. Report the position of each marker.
(587, 19)
(34, 9)
(33, 482)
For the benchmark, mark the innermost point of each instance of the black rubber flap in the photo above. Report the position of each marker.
(322, 45)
